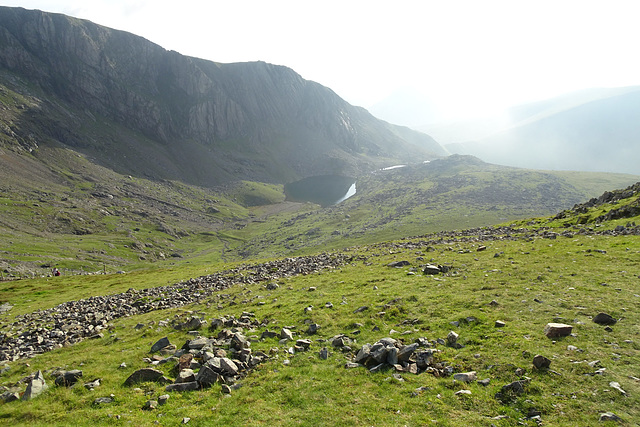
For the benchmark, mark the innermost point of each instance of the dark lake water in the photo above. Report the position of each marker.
(325, 190)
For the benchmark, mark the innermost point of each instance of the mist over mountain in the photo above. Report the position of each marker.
(590, 130)
(568, 133)
(408, 107)
(137, 108)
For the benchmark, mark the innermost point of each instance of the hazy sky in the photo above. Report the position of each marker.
(469, 54)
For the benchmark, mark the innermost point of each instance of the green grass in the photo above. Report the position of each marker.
(566, 276)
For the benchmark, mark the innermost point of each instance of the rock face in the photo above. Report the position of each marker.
(183, 104)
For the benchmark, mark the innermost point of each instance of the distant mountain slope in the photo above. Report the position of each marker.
(133, 106)
(596, 130)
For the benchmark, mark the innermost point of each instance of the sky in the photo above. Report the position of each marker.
(468, 56)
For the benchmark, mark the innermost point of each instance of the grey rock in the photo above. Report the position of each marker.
(452, 338)
(553, 330)
(541, 362)
(363, 354)
(228, 366)
(190, 386)
(144, 375)
(36, 387)
(323, 353)
(185, 376)
(198, 343)
(163, 399)
(511, 390)
(92, 384)
(609, 416)
(9, 396)
(207, 377)
(286, 334)
(466, 377)
(399, 264)
(392, 356)
(431, 269)
(405, 352)
(150, 405)
(499, 324)
(104, 400)
(604, 319)
(616, 386)
(68, 378)
(159, 345)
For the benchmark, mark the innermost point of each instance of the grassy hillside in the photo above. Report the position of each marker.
(525, 275)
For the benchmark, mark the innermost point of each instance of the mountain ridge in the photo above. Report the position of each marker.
(242, 121)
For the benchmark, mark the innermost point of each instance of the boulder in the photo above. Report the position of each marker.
(159, 345)
(541, 362)
(286, 334)
(553, 330)
(68, 378)
(207, 377)
(604, 319)
(144, 375)
(185, 376)
(36, 387)
(405, 352)
(609, 416)
(431, 269)
(466, 377)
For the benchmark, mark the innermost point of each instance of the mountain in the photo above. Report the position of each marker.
(592, 130)
(132, 106)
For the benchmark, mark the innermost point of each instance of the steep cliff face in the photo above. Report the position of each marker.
(138, 108)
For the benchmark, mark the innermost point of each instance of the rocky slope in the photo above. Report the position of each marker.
(139, 109)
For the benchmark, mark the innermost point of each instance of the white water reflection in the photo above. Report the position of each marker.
(350, 192)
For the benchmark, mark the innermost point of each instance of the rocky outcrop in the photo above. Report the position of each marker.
(244, 121)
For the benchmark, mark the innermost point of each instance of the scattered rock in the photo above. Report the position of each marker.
(499, 324)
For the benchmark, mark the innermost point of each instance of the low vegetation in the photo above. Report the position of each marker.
(559, 269)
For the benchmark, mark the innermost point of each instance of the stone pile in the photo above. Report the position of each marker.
(74, 321)
(202, 362)
(389, 353)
